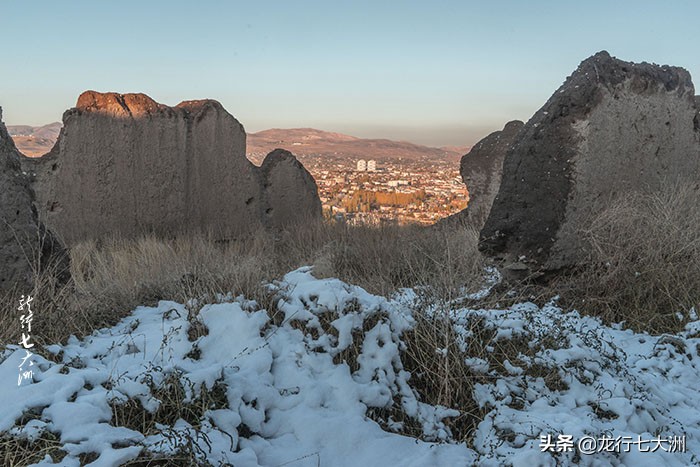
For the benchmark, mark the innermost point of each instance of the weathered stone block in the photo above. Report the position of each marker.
(611, 128)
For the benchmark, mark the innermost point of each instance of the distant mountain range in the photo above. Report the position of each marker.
(35, 141)
(303, 142)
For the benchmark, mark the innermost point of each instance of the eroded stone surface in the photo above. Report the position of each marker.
(290, 191)
(481, 171)
(612, 127)
(126, 165)
(24, 244)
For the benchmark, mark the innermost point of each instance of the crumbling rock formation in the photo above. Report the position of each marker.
(125, 164)
(24, 243)
(611, 128)
(481, 171)
(283, 176)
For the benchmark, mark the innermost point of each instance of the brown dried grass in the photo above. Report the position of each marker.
(644, 264)
(110, 277)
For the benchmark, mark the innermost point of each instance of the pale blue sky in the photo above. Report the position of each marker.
(441, 72)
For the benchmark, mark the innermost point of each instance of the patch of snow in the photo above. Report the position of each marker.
(293, 396)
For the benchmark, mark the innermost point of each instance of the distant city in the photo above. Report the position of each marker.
(395, 191)
(373, 181)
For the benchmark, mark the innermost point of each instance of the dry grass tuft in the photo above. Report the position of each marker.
(172, 395)
(111, 277)
(440, 372)
(17, 451)
(439, 357)
(644, 266)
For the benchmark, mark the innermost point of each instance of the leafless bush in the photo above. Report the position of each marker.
(644, 266)
(111, 277)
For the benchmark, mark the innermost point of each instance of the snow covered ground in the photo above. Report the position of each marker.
(288, 396)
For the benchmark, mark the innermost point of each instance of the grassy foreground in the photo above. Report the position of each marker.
(643, 270)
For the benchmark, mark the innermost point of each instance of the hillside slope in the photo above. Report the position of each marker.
(35, 141)
(306, 142)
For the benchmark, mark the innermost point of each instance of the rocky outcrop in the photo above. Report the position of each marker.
(611, 128)
(126, 165)
(24, 244)
(291, 193)
(481, 171)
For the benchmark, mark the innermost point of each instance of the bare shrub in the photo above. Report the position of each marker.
(440, 372)
(111, 277)
(644, 266)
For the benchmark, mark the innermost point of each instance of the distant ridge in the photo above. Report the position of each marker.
(305, 142)
(35, 141)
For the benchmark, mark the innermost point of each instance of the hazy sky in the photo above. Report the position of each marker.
(430, 72)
